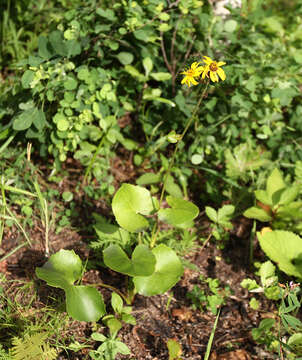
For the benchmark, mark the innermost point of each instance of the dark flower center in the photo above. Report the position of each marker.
(213, 66)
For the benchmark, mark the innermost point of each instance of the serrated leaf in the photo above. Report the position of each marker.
(263, 197)
(168, 270)
(142, 262)
(181, 211)
(257, 213)
(285, 249)
(128, 203)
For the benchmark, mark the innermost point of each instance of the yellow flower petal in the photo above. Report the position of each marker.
(220, 63)
(194, 65)
(207, 60)
(213, 76)
(221, 74)
(205, 71)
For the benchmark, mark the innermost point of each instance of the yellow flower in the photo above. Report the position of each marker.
(192, 73)
(213, 67)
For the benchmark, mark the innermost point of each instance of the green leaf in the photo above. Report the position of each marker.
(107, 14)
(142, 262)
(116, 303)
(62, 269)
(70, 83)
(135, 73)
(84, 303)
(39, 119)
(181, 211)
(44, 50)
(211, 214)
(226, 212)
(274, 183)
(161, 76)
(172, 188)
(174, 349)
(288, 195)
(24, 120)
(112, 233)
(125, 58)
(263, 197)
(128, 203)
(27, 78)
(257, 213)
(284, 248)
(266, 271)
(148, 178)
(168, 270)
(148, 65)
(230, 26)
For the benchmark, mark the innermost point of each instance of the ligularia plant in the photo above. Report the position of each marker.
(152, 267)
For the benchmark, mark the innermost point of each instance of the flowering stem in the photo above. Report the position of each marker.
(189, 122)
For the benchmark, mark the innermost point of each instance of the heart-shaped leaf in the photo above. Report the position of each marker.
(181, 211)
(168, 270)
(128, 203)
(61, 270)
(285, 248)
(142, 262)
(83, 303)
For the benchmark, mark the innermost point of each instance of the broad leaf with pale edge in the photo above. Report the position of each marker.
(181, 211)
(83, 303)
(128, 203)
(257, 213)
(284, 248)
(168, 271)
(142, 262)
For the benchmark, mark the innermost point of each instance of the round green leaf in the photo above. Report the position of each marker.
(142, 262)
(84, 303)
(181, 211)
(128, 203)
(24, 120)
(230, 26)
(70, 83)
(62, 124)
(285, 248)
(125, 58)
(61, 270)
(168, 271)
(196, 159)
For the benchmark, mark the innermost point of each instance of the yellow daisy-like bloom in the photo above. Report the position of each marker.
(213, 67)
(192, 73)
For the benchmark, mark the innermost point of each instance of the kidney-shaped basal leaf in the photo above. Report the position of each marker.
(84, 303)
(61, 270)
(181, 211)
(285, 248)
(168, 270)
(128, 203)
(142, 262)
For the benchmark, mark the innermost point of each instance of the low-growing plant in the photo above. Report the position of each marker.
(211, 298)
(279, 204)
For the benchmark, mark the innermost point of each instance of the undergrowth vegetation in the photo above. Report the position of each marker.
(151, 130)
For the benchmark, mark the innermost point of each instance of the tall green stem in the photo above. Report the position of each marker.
(189, 122)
